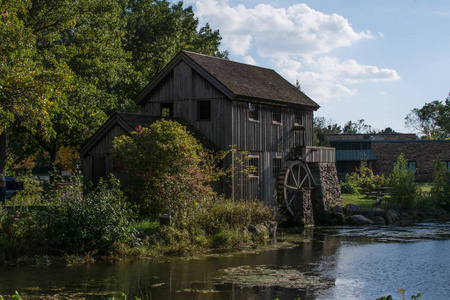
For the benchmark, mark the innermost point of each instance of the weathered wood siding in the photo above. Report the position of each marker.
(266, 140)
(101, 149)
(184, 88)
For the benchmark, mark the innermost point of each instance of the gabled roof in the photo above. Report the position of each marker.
(237, 80)
(129, 122)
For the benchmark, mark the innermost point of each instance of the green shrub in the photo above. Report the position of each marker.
(31, 193)
(23, 232)
(440, 192)
(96, 222)
(349, 188)
(363, 179)
(404, 188)
(168, 169)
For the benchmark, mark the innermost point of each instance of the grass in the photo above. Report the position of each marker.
(364, 201)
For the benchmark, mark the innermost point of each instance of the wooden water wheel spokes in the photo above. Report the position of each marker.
(297, 180)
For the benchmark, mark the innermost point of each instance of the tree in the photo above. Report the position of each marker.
(358, 127)
(157, 31)
(430, 120)
(444, 116)
(32, 74)
(67, 65)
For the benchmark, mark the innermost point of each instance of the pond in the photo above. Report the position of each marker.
(320, 263)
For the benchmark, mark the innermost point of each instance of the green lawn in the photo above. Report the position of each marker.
(364, 201)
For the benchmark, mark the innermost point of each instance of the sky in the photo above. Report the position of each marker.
(358, 59)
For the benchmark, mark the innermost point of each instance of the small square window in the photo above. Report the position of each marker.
(166, 110)
(253, 111)
(276, 115)
(253, 165)
(276, 166)
(204, 110)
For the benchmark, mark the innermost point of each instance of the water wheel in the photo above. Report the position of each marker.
(294, 189)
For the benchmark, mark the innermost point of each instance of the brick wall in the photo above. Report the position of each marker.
(422, 152)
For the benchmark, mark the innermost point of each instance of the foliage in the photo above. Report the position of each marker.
(432, 121)
(349, 187)
(404, 188)
(363, 179)
(96, 222)
(67, 65)
(31, 193)
(168, 170)
(22, 232)
(440, 192)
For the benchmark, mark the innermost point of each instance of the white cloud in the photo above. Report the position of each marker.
(328, 78)
(296, 30)
(296, 40)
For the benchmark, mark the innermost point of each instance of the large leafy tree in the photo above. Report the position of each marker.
(431, 120)
(157, 31)
(75, 60)
(67, 65)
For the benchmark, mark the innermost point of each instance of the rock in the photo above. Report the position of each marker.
(369, 213)
(378, 220)
(353, 209)
(339, 209)
(359, 220)
(379, 212)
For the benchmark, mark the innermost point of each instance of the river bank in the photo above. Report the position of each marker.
(343, 262)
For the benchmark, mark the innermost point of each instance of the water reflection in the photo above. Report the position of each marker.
(329, 263)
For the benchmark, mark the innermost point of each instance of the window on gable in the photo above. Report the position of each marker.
(276, 115)
(204, 110)
(253, 111)
(166, 110)
(276, 166)
(253, 165)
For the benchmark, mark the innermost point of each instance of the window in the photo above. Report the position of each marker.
(276, 166)
(276, 115)
(447, 163)
(412, 165)
(253, 111)
(204, 110)
(298, 118)
(166, 110)
(253, 165)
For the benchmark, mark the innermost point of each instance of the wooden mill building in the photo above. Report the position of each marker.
(230, 104)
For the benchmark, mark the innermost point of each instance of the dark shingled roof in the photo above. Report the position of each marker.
(250, 81)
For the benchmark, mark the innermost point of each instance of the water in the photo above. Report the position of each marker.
(330, 263)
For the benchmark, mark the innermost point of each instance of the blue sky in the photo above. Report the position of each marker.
(371, 60)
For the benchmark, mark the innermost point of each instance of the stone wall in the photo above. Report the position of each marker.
(421, 152)
(327, 193)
